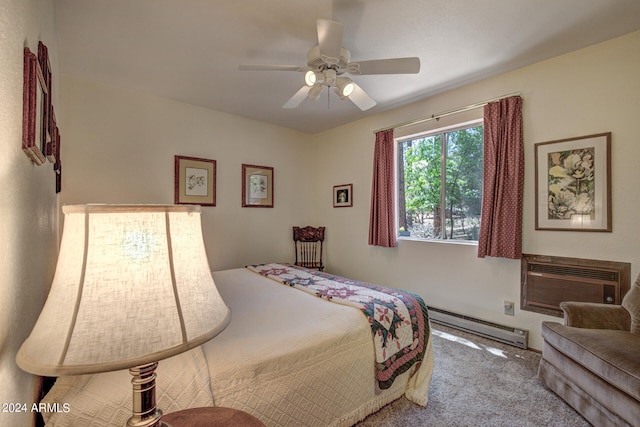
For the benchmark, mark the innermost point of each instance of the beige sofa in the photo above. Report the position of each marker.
(593, 360)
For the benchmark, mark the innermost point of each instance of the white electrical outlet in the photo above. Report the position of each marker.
(508, 308)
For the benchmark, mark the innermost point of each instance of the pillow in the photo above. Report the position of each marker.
(106, 399)
(631, 302)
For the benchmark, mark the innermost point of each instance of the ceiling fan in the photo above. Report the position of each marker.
(328, 61)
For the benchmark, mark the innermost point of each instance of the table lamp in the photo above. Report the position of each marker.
(132, 286)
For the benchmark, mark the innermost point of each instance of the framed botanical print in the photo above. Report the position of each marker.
(257, 186)
(573, 184)
(343, 196)
(194, 181)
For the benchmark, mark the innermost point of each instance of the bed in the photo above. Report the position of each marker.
(287, 357)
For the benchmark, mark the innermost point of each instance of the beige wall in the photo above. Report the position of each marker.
(28, 203)
(119, 147)
(590, 91)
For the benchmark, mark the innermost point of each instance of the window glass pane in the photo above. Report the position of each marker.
(463, 186)
(440, 185)
(420, 187)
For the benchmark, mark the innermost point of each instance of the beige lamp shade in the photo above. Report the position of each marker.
(132, 286)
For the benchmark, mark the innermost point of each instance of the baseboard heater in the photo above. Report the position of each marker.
(505, 334)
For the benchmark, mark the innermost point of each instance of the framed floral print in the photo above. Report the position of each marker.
(257, 186)
(573, 184)
(194, 181)
(343, 196)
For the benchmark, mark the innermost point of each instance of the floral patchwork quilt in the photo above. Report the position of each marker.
(398, 319)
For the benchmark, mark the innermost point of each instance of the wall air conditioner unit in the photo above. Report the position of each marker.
(546, 281)
(505, 334)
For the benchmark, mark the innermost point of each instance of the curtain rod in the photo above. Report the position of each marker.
(446, 113)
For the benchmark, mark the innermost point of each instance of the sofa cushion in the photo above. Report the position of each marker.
(631, 302)
(612, 355)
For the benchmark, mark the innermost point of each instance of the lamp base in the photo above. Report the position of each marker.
(145, 413)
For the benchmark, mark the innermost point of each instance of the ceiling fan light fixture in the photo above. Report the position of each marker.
(344, 87)
(311, 78)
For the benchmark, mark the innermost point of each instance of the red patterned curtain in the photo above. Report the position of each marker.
(382, 230)
(502, 194)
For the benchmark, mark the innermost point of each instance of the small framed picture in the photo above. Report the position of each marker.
(573, 184)
(195, 181)
(343, 196)
(257, 186)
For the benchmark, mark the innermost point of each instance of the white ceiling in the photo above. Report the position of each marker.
(190, 50)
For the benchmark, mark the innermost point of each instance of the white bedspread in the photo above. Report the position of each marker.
(287, 357)
(292, 359)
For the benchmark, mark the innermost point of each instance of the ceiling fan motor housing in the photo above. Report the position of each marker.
(319, 62)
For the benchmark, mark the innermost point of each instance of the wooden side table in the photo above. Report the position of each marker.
(213, 416)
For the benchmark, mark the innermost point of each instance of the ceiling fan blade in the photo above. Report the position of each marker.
(361, 99)
(297, 98)
(330, 34)
(269, 67)
(385, 66)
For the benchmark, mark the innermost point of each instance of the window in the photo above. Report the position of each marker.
(440, 184)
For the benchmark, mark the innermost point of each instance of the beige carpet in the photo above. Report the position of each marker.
(480, 382)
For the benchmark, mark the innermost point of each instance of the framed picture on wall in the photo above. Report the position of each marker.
(343, 196)
(194, 181)
(573, 184)
(257, 186)
(51, 147)
(34, 99)
(48, 121)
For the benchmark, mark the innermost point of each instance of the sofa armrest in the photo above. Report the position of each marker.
(595, 316)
